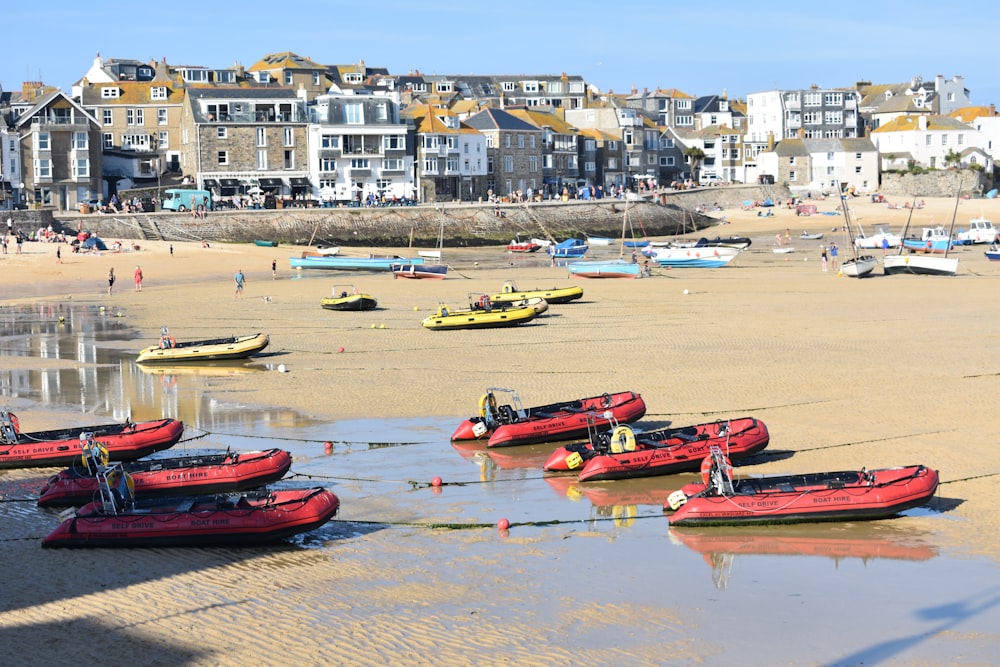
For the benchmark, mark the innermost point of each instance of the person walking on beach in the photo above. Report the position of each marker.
(111, 279)
(171, 249)
(885, 246)
(823, 258)
(274, 269)
(240, 281)
(833, 255)
(138, 279)
(58, 254)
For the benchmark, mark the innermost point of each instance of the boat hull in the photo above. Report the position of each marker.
(215, 473)
(921, 265)
(236, 347)
(695, 258)
(420, 271)
(253, 518)
(599, 269)
(338, 263)
(663, 452)
(859, 267)
(556, 295)
(124, 442)
(814, 497)
(558, 421)
(480, 319)
(350, 302)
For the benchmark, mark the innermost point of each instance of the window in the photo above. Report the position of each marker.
(130, 116)
(353, 77)
(110, 93)
(833, 99)
(43, 168)
(452, 164)
(222, 132)
(261, 137)
(830, 171)
(329, 141)
(811, 118)
(792, 176)
(927, 140)
(857, 170)
(506, 141)
(532, 163)
(382, 112)
(162, 139)
(829, 156)
(288, 78)
(80, 142)
(289, 137)
(315, 78)
(531, 86)
(262, 159)
(555, 86)
(107, 116)
(158, 93)
(944, 139)
(812, 99)
(430, 165)
(392, 164)
(140, 116)
(961, 139)
(393, 142)
(508, 163)
(354, 114)
(81, 168)
(43, 141)
(520, 141)
(444, 87)
(509, 86)
(161, 116)
(684, 120)
(360, 163)
(791, 160)
(327, 164)
(108, 140)
(223, 157)
(834, 117)
(289, 159)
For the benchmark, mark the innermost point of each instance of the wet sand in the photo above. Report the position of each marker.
(846, 373)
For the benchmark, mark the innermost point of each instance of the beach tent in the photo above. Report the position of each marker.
(93, 243)
(991, 194)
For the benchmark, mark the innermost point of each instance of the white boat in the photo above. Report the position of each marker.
(806, 236)
(874, 242)
(329, 250)
(924, 264)
(545, 243)
(599, 240)
(782, 249)
(429, 254)
(857, 266)
(980, 230)
(702, 258)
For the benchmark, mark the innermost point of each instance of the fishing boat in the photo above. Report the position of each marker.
(420, 271)
(61, 447)
(931, 240)
(623, 454)
(814, 236)
(517, 245)
(851, 495)
(908, 261)
(599, 240)
(695, 258)
(738, 242)
(993, 253)
(328, 250)
(568, 249)
(209, 473)
(118, 519)
(170, 350)
(482, 313)
(880, 238)
(310, 260)
(611, 268)
(858, 266)
(265, 244)
(509, 293)
(980, 230)
(347, 297)
(510, 423)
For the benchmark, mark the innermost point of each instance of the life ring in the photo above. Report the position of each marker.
(102, 455)
(706, 469)
(487, 405)
(622, 440)
(167, 342)
(484, 302)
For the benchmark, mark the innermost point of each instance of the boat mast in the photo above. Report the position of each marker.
(954, 214)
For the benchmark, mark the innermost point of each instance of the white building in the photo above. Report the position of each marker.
(928, 140)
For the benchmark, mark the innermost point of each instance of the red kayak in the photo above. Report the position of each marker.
(825, 496)
(257, 517)
(124, 442)
(623, 454)
(212, 473)
(513, 424)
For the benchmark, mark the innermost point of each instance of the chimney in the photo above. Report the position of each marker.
(922, 122)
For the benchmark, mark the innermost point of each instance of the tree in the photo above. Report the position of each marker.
(695, 155)
(952, 158)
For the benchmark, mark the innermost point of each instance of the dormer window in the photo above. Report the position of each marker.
(509, 86)
(531, 86)
(109, 93)
(444, 87)
(158, 93)
(353, 77)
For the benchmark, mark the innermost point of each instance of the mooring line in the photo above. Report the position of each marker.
(467, 526)
(348, 443)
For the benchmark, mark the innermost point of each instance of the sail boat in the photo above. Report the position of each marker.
(927, 265)
(609, 268)
(858, 266)
(420, 270)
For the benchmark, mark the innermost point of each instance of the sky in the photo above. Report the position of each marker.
(732, 47)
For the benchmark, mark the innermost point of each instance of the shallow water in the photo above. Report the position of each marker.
(863, 593)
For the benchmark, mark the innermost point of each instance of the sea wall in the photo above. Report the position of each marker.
(934, 183)
(463, 224)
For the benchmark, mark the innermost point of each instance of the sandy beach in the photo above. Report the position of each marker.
(885, 371)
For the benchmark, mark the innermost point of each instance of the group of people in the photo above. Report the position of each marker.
(136, 276)
(832, 259)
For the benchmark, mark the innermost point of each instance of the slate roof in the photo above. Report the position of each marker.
(911, 124)
(498, 119)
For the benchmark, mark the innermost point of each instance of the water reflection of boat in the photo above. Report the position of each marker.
(719, 546)
(623, 492)
(218, 369)
(530, 457)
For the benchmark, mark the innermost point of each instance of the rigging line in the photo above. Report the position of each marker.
(371, 445)
(970, 479)
(468, 526)
(414, 485)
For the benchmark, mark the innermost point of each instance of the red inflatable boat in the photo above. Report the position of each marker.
(825, 496)
(212, 473)
(124, 442)
(257, 517)
(504, 425)
(622, 453)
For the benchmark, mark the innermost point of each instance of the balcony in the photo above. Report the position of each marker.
(67, 122)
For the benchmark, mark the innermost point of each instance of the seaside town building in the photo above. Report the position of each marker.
(932, 142)
(822, 165)
(513, 154)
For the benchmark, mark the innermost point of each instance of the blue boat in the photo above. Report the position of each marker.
(612, 268)
(933, 239)
(312, 260)
(568, 248)
(637, 244)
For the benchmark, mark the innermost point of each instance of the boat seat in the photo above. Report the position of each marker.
(185, 505)
(786, 488)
